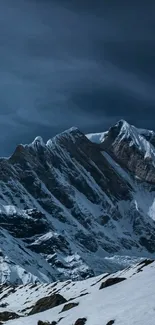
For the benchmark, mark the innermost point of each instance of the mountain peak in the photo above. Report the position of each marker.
(70, 134)
(72, 130)
(98, 138)
(123, 125)
(38, 141)
(123, 131)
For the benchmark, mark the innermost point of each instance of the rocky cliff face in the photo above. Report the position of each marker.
(69, 206)
(133, 149)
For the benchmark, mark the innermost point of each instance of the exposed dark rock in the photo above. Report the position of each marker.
(111, 322)
(60, 319)
(105, 276)
(83, 294)
(4, 305)
(80, 321)
(103, 220)
(47, 303)
(68, 306)
(6, 315)
(111, 281)
(87, 241)
(148, 243)
(146, 262)
(51, 245)
(34, 224)
(143, 264)
(40, 322)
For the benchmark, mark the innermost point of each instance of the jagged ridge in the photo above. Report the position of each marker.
(78, 203)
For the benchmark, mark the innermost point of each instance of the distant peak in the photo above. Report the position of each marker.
(38, 141)
(73, 131)
(122, 123)
(20, 149)
(71, 134)
(121, 127)
(98, 138)
(73, 128)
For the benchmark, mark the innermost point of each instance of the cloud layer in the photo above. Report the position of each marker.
(65, 63)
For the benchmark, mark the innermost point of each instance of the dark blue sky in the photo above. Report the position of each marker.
(82, 63)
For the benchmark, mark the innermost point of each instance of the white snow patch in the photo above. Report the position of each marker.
(97, 137)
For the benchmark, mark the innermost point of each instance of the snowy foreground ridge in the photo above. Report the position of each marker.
(129, 302)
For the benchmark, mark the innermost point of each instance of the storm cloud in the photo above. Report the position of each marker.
(74, 63)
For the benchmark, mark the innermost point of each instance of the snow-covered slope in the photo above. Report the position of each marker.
(72, 208)
(96, 137)
(98, 300)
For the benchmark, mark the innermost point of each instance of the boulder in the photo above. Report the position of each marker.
(111, 281)
(69, 306)
(47, 303)
(6, 315)
(80, 321)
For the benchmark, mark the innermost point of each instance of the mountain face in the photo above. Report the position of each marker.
(78, 205)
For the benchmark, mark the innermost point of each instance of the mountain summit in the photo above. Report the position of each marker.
(77, 205)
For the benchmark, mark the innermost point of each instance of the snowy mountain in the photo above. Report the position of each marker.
(78, 205)
(125, 297)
